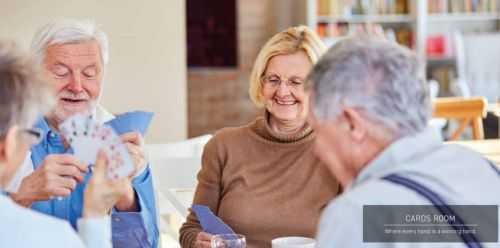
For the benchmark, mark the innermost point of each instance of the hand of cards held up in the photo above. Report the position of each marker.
(86, 137)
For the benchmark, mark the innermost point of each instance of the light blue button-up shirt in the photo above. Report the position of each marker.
(129, 229)
(22, 227)
(459, 175)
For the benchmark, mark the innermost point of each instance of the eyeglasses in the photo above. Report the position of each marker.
(273, 81)
(33, 135)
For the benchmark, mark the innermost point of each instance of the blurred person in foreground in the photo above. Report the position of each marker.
(263, 179)
(370, 111)
(23, 97)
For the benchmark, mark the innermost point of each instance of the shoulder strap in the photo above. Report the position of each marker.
(468, 238)
(494, 166)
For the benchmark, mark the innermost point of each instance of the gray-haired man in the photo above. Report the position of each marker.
(24, 96)
(370, 112)
(73, 55)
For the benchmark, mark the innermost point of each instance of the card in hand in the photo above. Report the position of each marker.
(136, 121)
(71, 129)
(86, 137)
(79, 131)
(209, 221)
(119, 160)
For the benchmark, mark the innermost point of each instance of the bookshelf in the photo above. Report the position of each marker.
(400, 19)
(447, 17)
(426, 26)
(392, 18)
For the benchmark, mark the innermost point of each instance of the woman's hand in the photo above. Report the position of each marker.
(202, 240)
(101, 193)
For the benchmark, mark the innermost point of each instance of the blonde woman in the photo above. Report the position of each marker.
(263, 179)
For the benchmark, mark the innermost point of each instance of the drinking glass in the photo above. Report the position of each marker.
(293, 242)
(228, 241)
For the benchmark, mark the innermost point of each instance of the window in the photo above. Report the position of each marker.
(211, 33)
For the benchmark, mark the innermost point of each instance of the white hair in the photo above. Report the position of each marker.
(374, 75)
(68, 31)
(24, 95)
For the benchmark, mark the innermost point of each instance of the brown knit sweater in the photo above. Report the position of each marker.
(262, 184)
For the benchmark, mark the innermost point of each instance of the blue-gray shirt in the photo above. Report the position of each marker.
(461, 176)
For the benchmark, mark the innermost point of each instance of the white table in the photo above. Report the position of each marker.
(490, 148)
(180, 199)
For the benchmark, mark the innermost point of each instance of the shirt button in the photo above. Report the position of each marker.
(52, 135)
(117, 219)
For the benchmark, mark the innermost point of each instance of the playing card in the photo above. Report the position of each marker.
(87, 137)
(87, 144)
(73, 127)
(137, 121)
(77, 131)
(209, 221)
(119, 160)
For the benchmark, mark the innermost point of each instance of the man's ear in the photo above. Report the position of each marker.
(9, 145)
(357, 124)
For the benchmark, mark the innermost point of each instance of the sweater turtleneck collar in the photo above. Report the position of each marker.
(264, 129)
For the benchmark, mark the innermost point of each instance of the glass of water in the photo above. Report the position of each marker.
(228, 241)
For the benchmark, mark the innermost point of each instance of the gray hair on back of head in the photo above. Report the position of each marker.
(24, 95)
(377, 76)
(68, 31)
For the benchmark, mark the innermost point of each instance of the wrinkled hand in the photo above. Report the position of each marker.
(56, 177)
(135, 147)
(101, 193)
(134, 143)
(203, 240)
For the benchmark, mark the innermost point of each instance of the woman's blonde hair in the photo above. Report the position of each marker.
(289, 41)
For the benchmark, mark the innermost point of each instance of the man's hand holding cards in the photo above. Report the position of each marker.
(86, 137)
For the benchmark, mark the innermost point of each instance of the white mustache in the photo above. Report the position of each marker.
(70, 95)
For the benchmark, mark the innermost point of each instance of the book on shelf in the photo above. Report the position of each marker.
(437, 46)
(403, 35)
(323, 7)
(462, 6)
(437, 6)
(346, 8)
(335, 30)
(444, 75)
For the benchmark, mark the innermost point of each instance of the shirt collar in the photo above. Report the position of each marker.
(397, 153)
(47, 132)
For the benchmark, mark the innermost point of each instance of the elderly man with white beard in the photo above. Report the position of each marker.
(73, 55)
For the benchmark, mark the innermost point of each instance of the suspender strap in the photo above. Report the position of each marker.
(494, 166)
(468, 238)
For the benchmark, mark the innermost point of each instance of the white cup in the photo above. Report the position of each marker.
(293, 242)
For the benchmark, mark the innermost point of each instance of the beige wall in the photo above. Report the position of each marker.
(297, 13)
(218, 97)
(147, 68)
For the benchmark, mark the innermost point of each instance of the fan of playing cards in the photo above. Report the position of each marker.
(86, 137)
